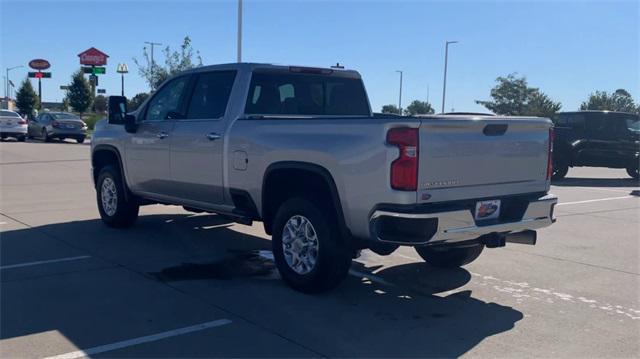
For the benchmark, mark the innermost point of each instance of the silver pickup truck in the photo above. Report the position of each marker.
(299, 149)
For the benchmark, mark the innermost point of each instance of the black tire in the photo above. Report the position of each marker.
(333, 254)
(45, 135)
(126, 211)
(559, 171)
(22, 138)
(450, 257)
(80, 139)
(633, 172)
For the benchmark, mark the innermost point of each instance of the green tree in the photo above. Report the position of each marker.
(419, 108)
(513, 96)
(26, 98)
(100, 103)
(79, 92)
(541, 105)
(390, 109)
(620, 100)
(136, 101)
(174, 62)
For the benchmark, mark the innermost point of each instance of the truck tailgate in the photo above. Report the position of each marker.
(463, 158)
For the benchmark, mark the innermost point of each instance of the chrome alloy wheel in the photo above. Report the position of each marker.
(300, 244)
(109, 196)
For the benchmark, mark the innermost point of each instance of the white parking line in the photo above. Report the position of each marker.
(595, 200)
(44, 262)
(140, 340)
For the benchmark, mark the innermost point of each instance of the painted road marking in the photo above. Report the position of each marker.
(44, 262)
(140, 340)
(595, 200)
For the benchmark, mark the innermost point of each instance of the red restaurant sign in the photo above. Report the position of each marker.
(93, 57)
(39, 64)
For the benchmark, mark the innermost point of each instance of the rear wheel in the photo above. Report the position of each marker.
(115, 209)
(559, 171)
(633, 172)
(450, 257)
(22, 138)
(80, 139)
(309, 252)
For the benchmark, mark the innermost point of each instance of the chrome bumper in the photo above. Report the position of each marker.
(459, 225)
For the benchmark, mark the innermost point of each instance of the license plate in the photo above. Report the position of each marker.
(488, 209)
(70, 126)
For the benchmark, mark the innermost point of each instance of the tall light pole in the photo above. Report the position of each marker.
(400, 95)
(153, 64)
(6, 90)
(239, 30)
(446, 59)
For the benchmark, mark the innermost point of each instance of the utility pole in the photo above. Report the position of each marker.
(153, 64)
(6, 89)
(400, 96)
(446, 59)
(239, 30)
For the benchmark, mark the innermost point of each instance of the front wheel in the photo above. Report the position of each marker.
(45, 135)
(115, 209)
(450, 257)
(633, 172)
(309, 252)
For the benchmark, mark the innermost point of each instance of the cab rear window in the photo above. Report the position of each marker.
(306, 94)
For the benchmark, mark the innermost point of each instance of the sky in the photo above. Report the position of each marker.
(568, 49)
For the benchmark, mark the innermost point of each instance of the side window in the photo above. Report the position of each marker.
(601, 126)
(44, 119)
(168, 99)
(576, 122)
(211, 95)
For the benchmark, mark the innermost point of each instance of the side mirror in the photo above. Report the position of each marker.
(117, 110)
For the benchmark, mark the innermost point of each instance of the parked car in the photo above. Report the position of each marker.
(596, 139)
(60, 125)
(12, 125)
(299, 149)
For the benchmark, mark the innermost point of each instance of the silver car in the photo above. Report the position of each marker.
(60, 125)
(12, 125)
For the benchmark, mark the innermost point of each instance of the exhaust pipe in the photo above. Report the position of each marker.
(525, 237)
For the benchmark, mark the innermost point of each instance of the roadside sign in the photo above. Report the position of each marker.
(64, 87)
(122, 69)
(93, 70)
(93, 79)
(93, 57)
(39, 64)
(40, 75)
(102, 91)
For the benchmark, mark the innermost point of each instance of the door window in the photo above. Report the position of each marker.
(211, 95)
(168, 99)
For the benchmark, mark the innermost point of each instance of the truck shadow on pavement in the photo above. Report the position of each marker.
(596, 182)
(403, 310)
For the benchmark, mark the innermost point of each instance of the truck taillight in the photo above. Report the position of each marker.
(404, 169)
(552, 137)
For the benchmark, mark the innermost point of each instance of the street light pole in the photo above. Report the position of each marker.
(239, 31)
(6, 90)
(400, 95)
(446, 59)
(153, 64)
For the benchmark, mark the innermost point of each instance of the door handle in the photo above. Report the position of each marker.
(213, 136)
(162, 135)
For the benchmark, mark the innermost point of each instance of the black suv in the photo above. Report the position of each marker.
(596, 139)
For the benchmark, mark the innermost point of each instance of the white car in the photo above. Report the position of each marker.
(12, 125)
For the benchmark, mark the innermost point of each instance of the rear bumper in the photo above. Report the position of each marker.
(13, 131)
(458, 225)
(67, 133)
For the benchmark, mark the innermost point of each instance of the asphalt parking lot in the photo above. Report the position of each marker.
(185, 285)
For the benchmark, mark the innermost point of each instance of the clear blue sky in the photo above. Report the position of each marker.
(567, 49)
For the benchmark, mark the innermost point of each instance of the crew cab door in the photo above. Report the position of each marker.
(198, 138)
(147, 150)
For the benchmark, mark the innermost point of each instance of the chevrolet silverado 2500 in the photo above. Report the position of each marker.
(299, 149)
